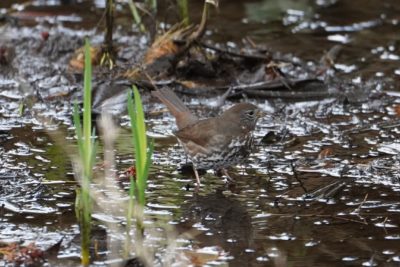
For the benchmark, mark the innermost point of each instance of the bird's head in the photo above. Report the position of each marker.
(245, 114)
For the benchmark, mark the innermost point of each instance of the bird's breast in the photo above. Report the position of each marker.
(219, 152)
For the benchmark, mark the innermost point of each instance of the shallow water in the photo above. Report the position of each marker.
(321, 188)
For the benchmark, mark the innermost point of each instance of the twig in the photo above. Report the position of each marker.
(384, 224)
(328, 190)
(318, 216)
(296, 177)
(236, 54)
(267, 89)
(350, 220)
(357, 210)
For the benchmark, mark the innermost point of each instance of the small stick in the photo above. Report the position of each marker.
(296, 177)
(357, 210)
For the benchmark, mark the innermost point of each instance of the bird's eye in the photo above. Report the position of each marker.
(251, 113)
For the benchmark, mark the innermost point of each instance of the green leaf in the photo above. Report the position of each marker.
(78, 129)
(87, 106)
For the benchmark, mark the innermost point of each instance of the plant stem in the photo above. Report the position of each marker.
(108, 57)
(136, 16)
(184, 11)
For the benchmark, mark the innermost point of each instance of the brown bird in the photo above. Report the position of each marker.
(213, 143)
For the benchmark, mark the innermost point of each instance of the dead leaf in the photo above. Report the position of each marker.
(78, 59)
(200, 257)
(397, 110)
(325, 153)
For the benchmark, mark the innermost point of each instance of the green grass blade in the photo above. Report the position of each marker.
(143, 155)
(152, 4)
(87, 106)
(135, 140)
(78, 129)
(140, 130)
(87, 156)
(141, 152)
(184, 11)
(149, 154)
(136, 16)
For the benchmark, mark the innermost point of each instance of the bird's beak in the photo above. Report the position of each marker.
(260, 113)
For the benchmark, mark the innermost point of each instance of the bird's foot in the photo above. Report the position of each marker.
(196, 173)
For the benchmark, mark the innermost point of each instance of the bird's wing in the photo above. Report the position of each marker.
(204, 133)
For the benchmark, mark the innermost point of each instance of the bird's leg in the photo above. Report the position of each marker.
(197, 176)
(225, 172)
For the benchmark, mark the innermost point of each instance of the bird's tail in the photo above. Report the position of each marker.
(177, 108)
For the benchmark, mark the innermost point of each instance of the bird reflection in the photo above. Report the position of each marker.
(223, 221)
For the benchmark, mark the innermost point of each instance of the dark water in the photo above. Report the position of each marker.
(322, 189)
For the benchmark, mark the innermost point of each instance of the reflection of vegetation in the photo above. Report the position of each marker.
(274, 9)
(58, 159)
(87, 152)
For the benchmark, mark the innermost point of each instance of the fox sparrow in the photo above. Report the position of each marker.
(213, 143)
